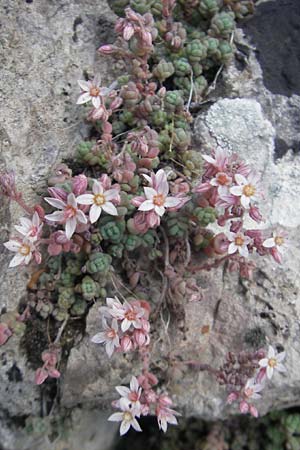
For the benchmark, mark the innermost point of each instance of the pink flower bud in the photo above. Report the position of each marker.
(236, 226)
(107, 127)
(106, 49)
(139, 337)
(152, 219)
(60, 237)
(220, 243)
(49, 357)
(40, 376)
(37, 257)
(232, 397)
(7, 183)
(126, 344)
(128, 32)
(162, 92)
(116, 103)
(134, 279)
(54, 373)
(5, 333)
(151, 397)
(255, 214)
(165, 401)
(253, 411)
(244, 407)
(58, 193)
(261, 375)
(276, 255)
(79, 184)
(40, 210)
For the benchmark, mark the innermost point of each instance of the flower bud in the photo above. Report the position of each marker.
(244, 407)
(79, 184)
(126, 344)
(106, 49)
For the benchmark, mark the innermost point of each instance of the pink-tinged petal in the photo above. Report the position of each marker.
(111, 194)
(40, 376)
(17, 260)
(85, 199)
(253, 411)
(99, 338)
(94, 214)
(116, 417)
(25, 222)
(55, 202)
(240, 179)
(54, 373)
(264, 362)
(125, 325)
(71, 200)
(27, 258)
(70, 227)
(149, 193)
(270, 371)
(214, 182)
(161, 181)
(232, 248)
(109, 348)
(80, 216)
(271, 352)
(35, 219)
(135, 425)
(236, 190)
(57, 216)
(147, 205)
(84, 85)
(124, 427)
(83, 98)
(97, 188)
(245, 201)
(160, 210)
(109, 208)
(149, 179)
(269, 243)
(171, 202)
(281, 356)
(172, 420)
(12, 245)
(114, 325)
(123, 391)
(243, 251)
(209, 159)
(255, 396)
(134, 384)
(96, 102)
(280, 367)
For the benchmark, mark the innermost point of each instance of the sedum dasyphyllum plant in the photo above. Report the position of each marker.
(141, 205)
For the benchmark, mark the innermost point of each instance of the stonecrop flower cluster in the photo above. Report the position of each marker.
(138, 210)
(244, 389)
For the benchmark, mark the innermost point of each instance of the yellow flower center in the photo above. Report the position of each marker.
(158, 200)
(24, 250)
(127, 416)
(279, 240)
(272, 362)
(94, 91)
(249, 190)
(69, 212)
(99, 199)
(239, 241)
